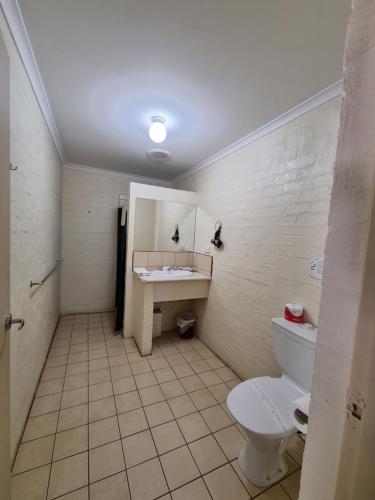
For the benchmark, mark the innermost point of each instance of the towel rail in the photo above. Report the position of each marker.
(40, 283)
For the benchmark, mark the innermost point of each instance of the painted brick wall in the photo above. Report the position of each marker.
(35, 238)
(272, 197)
(89, 236)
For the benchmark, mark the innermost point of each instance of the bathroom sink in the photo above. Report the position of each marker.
(178, 273)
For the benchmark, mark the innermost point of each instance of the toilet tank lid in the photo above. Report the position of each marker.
(304, 330)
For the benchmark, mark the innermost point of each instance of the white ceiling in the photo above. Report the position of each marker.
(215, 69)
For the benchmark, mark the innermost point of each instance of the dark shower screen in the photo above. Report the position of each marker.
(120, 269)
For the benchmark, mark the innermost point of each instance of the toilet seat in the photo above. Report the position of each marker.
(262, 405)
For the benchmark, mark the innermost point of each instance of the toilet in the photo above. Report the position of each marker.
(263, 406)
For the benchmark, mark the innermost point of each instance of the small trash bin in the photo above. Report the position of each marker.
(186, 324)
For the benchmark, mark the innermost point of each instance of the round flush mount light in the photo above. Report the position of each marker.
(157, 130)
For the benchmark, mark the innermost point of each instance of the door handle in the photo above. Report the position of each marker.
(9, 321)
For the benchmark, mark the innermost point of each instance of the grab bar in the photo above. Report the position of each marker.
(40, 283)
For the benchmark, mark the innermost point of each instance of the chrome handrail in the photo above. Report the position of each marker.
(40, 283)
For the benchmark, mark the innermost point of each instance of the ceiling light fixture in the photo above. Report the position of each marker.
(157, 130)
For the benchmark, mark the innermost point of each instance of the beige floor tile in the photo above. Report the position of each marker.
(98, 364)
(98, 354)
(73, 417)
(31, 485)
(76, 368)
(220, 392)
(225, 374)
(210, 378)
(214, 362)
(81, 494)
(78, 357)
(158, 413)
(196, 490)
(111, 488)
(45, 404)
(56, 361)
(118, 360)
(274, 493)
(128, 401)
(251, 488)
(146, 481)
(172, 389)
(68, 475)
(102, 408)
(79, 348)
(145, 380)
(179, 467)
(34, 454)
(99, 376)
(120, 372)
(216, 418)
(138, 448)
(76, 381)
(169, 350)
(192, 383)
(151, 395)
(165, 375)
(132, 422)
(70, 442)
(223, 483)
(181, 406)
(100, 391)
(207, 454)
(106, 461)
(233, 383)
(167, 437)
(176, 360)
(134, 357)
(103, 432)
(200, 366)
(74, 397)
(52, 373)
(292, 484)
(231, 441)
(158, 363)
(50, 387)
(122, 385)
(202, 399)
(205, 352)
(183, 370)
(296, 448)
(140, 367)
(41, 426)
(115, 351)
(191, 356)
(193, 427)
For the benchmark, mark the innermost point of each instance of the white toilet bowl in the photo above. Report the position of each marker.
(263, 406)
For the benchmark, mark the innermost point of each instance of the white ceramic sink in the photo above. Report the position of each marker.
(172, 272)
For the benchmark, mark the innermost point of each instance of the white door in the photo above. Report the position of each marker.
(4, 274)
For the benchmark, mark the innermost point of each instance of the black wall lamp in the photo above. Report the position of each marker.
(216, 240)
(176, 236)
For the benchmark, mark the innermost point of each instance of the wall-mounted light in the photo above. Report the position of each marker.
(157, 130)
(216, 241)
(176, 236)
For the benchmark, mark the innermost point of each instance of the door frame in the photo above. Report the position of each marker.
(4, 272)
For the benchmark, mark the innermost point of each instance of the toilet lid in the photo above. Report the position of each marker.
(262, 405)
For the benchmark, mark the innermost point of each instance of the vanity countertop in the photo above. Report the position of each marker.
(162, 279)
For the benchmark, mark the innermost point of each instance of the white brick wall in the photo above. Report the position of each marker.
(35, 238)
(89, 238)
(272, 197)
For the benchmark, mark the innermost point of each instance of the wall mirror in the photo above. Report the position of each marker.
(164, 225)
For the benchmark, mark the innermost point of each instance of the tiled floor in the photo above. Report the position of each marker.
(107, 424)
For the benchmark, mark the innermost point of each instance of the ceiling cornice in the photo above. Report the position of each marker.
(21, 39)
(133, 177)
(334, 90)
